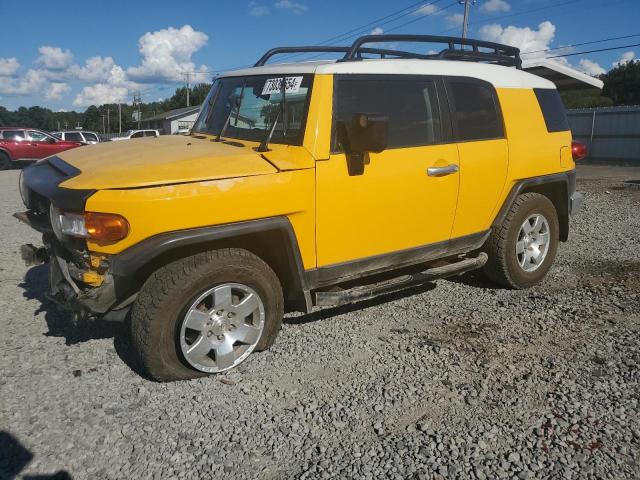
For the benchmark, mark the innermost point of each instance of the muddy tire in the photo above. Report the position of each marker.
(522, 249)
(205, 314)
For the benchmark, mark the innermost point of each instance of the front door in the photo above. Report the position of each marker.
(406, 196)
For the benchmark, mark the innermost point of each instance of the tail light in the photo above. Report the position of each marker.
(578, 150)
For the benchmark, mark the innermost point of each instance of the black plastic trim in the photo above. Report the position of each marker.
(126, 264)
(568, 179)
(356, 269)
(45, 177)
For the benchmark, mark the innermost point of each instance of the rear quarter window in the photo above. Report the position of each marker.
(552, 109)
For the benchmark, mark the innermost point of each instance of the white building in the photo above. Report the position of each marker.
(172, 121)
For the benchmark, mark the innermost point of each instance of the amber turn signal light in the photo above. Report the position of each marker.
(106, 227)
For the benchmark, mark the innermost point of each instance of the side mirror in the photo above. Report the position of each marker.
(51, 140)
(368, 132)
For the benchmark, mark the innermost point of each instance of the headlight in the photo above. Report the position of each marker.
(102, 227)
(66, 223)
(25, 193)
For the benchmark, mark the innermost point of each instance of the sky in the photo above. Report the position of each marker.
(67, 55)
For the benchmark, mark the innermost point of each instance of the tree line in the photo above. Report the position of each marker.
(101, 118)
(621, 87)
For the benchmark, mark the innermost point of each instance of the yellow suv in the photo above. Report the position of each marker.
(302, 184)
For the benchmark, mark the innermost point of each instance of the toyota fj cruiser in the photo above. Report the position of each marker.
(302, 184)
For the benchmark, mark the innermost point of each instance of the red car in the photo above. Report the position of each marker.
(28, 144)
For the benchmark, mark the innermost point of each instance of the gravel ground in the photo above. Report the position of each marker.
(456, 379)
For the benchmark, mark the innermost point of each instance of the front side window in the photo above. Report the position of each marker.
(247, 108)
(90, 137)
(36, 136)
(410, 104)
(476, 115)
(137, 135)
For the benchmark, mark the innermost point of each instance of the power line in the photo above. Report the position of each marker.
(583, 43)
(595, 51)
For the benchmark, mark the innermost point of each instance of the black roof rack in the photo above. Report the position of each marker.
(497, 53)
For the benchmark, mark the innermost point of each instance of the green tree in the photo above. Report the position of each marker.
(622, 84)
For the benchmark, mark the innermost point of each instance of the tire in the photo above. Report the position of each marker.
(5, 162)
(191, 292)
(512, 262)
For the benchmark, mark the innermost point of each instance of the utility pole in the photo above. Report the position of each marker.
(103, 130)
(187, 74)
(108, 122)
(465, 20)
(119, 117)
(137, 101)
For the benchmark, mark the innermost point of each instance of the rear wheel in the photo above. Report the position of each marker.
(5, 162)
(205, 314)
(522, 249)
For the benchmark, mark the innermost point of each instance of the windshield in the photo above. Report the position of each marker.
(249, 106)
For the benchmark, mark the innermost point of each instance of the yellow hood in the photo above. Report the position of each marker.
(159, 161)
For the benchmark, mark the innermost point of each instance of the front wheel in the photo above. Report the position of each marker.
(522, 249)
(205, 314)
(5, 162)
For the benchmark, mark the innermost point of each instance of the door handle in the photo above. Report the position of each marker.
(442, 171)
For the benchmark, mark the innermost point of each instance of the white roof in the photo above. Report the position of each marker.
(499, 76)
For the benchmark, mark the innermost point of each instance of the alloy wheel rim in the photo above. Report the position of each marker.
(222, 327)
(533, 242)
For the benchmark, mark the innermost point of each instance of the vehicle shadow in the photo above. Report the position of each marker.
(352, 307)
(475, 279)
(14, 458)
(61, 324)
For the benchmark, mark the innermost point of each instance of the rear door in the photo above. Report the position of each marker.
(41, 145)
(483, 151)
(16, 143)
(394, 204)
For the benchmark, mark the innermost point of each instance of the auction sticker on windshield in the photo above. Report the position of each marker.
(274, 85)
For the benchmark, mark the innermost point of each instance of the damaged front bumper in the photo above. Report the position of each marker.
(69, 292)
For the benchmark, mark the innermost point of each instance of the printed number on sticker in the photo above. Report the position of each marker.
(274, 85)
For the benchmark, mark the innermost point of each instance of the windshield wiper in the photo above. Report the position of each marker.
(237, 102)
(264, 145)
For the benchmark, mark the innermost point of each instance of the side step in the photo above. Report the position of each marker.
(326, 299)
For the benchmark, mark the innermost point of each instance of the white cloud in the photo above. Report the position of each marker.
(31, 83)
(54, 58)
(377, 31)
(99, 94)
(56, 90)
(590, 67)
(9, 67)
(295, 7)
(625, 58)
(455, 20)
(526, 39)
(258, 10)
(491, 6)
(166, 54)
(96, 69)
(427, 9)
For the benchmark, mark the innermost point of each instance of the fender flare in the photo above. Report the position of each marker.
(128, 263)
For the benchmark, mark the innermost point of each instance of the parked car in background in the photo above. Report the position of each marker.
(137, 134)
(19, 144)
(87, 138)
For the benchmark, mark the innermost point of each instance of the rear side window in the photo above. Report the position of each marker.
(90, 137)
(73, 137)
(411, 104)
(149, 133)
(552, 109)
(476, 113)
(13, 134)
